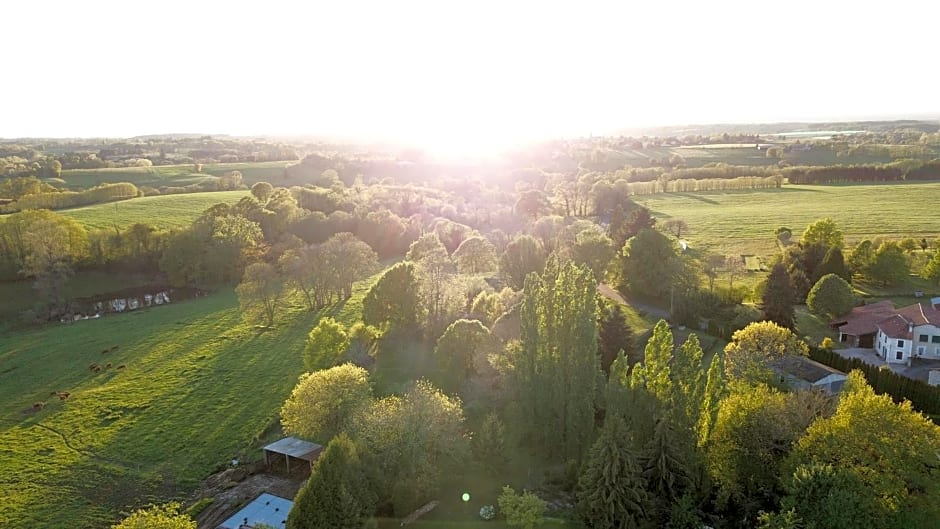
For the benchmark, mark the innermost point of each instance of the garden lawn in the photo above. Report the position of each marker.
(161, 211)
(199, 387)
(743, 222)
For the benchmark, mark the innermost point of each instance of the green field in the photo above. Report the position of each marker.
(172, 175)
(743, 222)
(199, 387)
(162, 211)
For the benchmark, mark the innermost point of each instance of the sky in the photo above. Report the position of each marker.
(457, 74)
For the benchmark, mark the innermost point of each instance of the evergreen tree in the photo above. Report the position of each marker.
(834, 263)
(557, 367)
(611, 491)
(337, 495)
(665, 467)
(393, 300)
(614, 335)
(778, 299)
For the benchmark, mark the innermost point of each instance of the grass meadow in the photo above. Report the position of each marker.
(199, 386)
(161, 211)
(172, 175)
(743, 222)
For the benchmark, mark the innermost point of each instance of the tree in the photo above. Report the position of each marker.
(439, 292)
(157, 517)
(754, 348)
(889, 266)
(555, 371)
(594, 250)
(831, 296)
(676, 227)
(931, 271)
(734, 266)
(614, 336)
(887, 450)
(778, 298)
(413, 442)
(710, 267)
(824, 232)
(259, 293)
(456, 349)
(393, 300)
(755, 429)
(337, 495)
(834, 263)
(612, 492)
(521, 510)
(326, 402)
(475, 255)
(522, 256)
(422, 246)
(326, 344)
(348, 260)
(262, 191)
(688, 388)
(531, 203)
(908, 244)
(861, 258)
(657, 360)
(665, 467)
(711, 398)
(828, 497)
(650, 264)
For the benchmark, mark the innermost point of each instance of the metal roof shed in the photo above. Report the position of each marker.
(266, 508)
(291, 447)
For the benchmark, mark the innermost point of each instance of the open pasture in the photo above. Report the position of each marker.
(172, 175)
(743, 222)
(161, 211)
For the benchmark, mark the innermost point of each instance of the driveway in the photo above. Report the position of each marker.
(918, 370)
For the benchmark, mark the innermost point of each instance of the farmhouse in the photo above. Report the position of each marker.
(802, 373)
(896, 335)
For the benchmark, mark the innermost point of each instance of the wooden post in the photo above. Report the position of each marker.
(287, 458)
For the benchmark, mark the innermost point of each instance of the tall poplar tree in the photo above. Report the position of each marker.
(714, 391)
(557, 366)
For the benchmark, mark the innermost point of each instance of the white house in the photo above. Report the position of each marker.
(911, 332)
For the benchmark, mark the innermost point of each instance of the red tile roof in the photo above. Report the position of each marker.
(895, 323)
(864, 320)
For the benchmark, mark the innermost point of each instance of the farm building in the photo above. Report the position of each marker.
(266, 509)
(292, 448)
(802, 373)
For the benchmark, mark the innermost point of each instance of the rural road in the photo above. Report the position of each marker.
(608, 292)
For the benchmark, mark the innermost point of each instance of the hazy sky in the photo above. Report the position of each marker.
(473, 73)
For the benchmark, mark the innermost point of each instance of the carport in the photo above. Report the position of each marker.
(293, 448)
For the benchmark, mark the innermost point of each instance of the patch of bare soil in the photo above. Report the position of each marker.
(235, 487)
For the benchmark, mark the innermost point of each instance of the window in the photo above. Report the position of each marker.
(921, 350)
(900, 343)
(899, 355)
(924, 337)
(935, 339)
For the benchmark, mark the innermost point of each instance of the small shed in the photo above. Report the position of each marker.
(293, 448)
(802, 373)
(266, 509)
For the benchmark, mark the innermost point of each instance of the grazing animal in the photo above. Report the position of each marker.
(114, 348)
(109, 365)
(120, 366)
(104, 351)
(97, 369)
(93, 367)
(53, 393)
(39, 405)
(64, 395)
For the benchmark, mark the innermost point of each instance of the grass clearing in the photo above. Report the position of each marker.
(199, 387)
(743, 222)
(162, 211)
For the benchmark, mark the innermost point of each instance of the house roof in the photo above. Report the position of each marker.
(293, 447)
(895, 323)
(864, 320)
(896, 327)
(266, 508)
(805, 369)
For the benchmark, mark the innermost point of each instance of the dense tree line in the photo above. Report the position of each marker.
(45, 199)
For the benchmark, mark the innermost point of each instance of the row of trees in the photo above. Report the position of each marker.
(56, 199)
